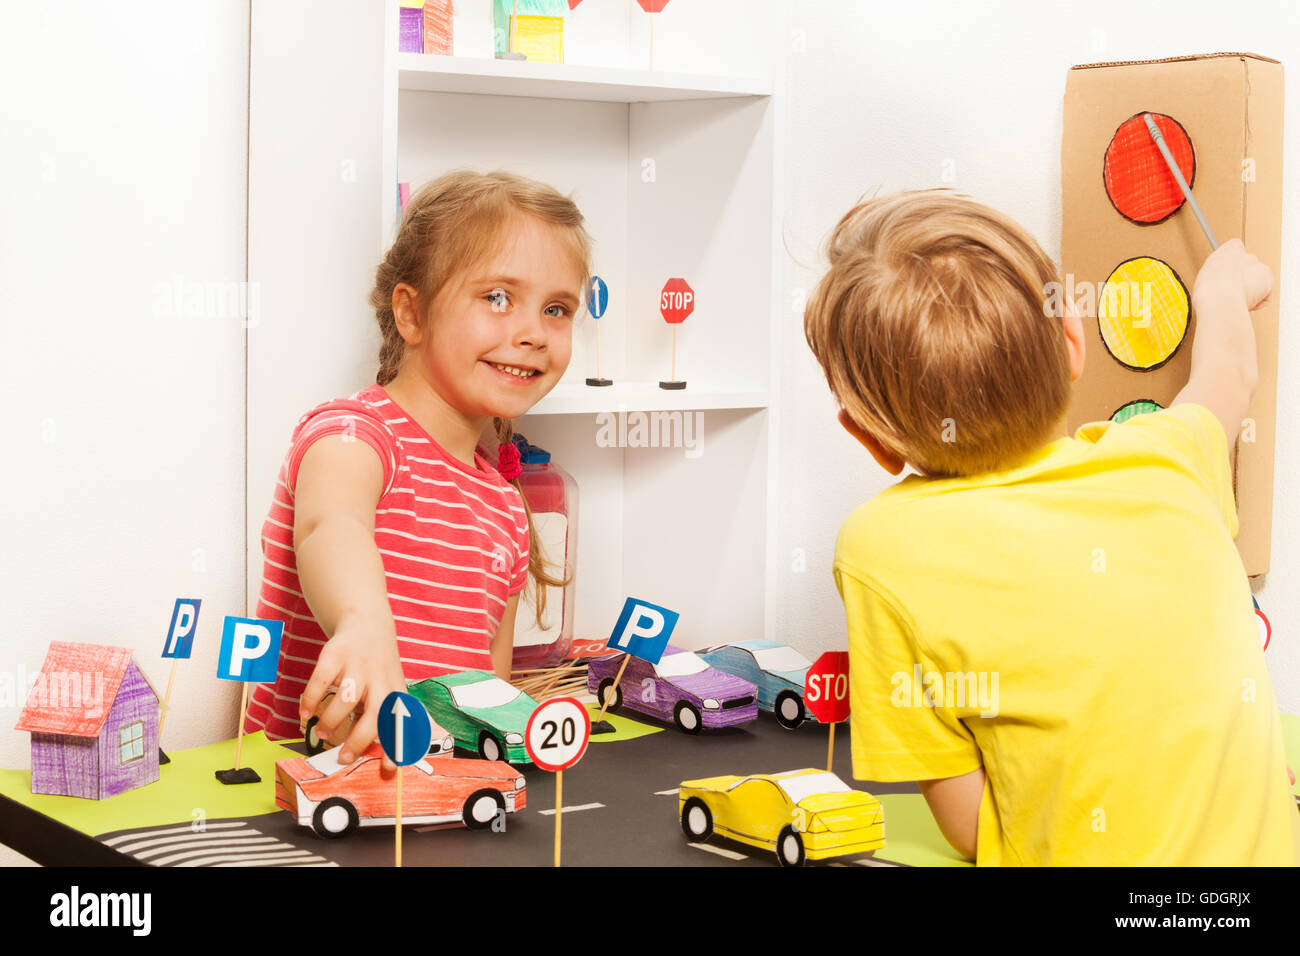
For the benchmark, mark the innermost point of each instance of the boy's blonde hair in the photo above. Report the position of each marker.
(932, 327)
(451, 224)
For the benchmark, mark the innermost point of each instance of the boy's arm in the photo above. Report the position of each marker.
(955, 803)
(338, 486)
(502, 645)
(1225, 368)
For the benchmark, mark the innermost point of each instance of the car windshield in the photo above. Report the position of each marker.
(780, 659)
(327, 761)
(805, 785)
(492, 692)
(680, 664)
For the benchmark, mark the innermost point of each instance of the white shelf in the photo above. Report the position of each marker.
(452, 74)
(566, 399)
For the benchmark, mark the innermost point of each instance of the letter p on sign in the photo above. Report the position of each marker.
(250, 649)
(643, 630)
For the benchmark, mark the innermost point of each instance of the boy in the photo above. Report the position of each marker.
(1053, 635)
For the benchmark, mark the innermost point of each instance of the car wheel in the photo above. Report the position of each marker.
(789, 710)
(313, 743)
(697, 820)
(489, 748)
(482, 808)
(604, 691)
(687, 718)
(334, 818)
(789, 847)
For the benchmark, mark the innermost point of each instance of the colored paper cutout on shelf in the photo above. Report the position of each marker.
(1141, 406)
(624, 729)
(1142, 313)
(1138, 181)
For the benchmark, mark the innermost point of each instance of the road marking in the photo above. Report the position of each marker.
(667, 793)
(217, 843)
(729, 854)
(581, 806)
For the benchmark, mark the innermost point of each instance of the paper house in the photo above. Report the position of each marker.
(93, 717)
(1130, 248)
(534, 28)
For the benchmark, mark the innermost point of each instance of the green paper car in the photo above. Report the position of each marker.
(485, 714)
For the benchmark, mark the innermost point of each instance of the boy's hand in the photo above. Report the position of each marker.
(366, 668)
(1233, 274)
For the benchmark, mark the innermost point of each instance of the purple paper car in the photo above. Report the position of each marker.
(681, 688)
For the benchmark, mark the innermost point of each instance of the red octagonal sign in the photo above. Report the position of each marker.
(826, 688)
(676, 301)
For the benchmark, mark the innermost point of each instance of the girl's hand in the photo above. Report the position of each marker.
(363, 662)
(1232, 274)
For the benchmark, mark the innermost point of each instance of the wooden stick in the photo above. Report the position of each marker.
(399, 817)
(559, 785)
(513, 45)
(830, 752)
(652, 41)
(673, 377)
(167, 698)
(613, 687)
(243, 710)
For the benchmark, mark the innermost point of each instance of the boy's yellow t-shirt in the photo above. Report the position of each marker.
(1090, 624)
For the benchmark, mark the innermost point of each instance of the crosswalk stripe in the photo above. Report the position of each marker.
(183, 828)
(667, 793)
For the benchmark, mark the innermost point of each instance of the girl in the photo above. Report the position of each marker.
(393, 550)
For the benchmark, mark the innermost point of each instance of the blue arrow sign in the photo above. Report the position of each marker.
(597, 297)
(405, 730)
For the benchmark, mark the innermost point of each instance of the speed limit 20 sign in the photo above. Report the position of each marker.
(557, 734)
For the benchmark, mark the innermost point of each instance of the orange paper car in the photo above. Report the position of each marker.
(334, 799)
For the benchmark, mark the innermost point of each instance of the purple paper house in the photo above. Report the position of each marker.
(93, 717)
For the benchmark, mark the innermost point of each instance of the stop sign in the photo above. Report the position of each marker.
(652, 6)
(676, 301)
(826, 688)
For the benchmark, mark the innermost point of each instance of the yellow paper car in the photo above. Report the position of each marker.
(799, 815)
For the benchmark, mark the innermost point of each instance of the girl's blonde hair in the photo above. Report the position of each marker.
(450, 225)
(933, 330)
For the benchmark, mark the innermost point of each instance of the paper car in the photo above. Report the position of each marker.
(484, 713)
(799, 814)
(777, 670)
(334, 799)
(682, 688)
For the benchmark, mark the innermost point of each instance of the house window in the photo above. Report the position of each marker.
(132, 742)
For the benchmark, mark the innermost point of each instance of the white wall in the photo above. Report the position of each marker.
(122, 173)
(882, 96)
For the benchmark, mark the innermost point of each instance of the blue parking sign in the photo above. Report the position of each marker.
(179, 642)
(250, 649)
(643, 630)
(405, 730)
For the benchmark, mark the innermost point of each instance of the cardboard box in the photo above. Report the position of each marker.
(1230, 105)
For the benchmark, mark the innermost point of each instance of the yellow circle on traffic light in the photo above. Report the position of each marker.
(1142, 313)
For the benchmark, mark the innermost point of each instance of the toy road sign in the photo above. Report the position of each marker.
(597, 297)
(643, 630)
(405, 730)
(179, 643)
(826, 688)
(250, 649)
(557, 734)
(652, 6)
(676, 301)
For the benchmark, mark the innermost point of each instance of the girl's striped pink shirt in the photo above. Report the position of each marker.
(453, 540)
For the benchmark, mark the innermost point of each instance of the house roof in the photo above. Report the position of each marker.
(76, 688)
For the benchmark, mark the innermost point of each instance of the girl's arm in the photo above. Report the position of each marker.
(502, 645)
(955, 803)
(342, 575)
